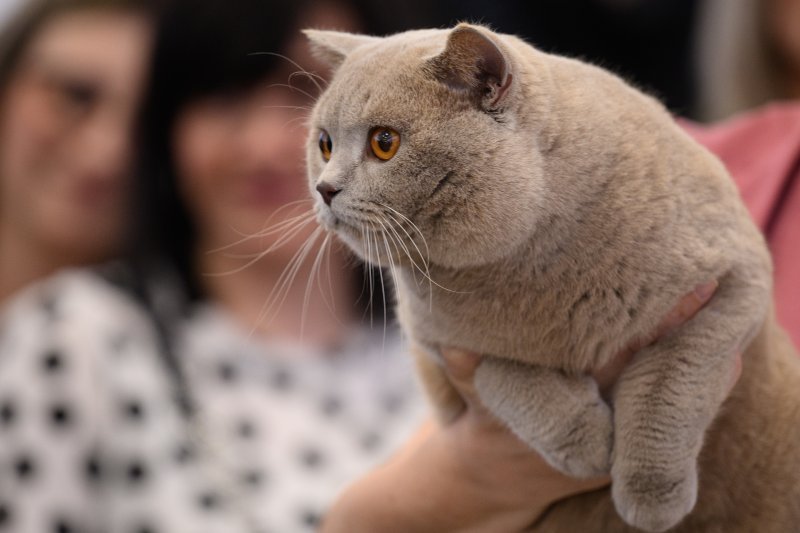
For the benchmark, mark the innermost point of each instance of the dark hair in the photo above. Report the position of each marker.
(28, 20)
(202, 48)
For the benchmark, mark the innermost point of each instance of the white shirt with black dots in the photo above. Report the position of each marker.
(93, 439)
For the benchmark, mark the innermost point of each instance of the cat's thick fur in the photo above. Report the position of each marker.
(558, 214)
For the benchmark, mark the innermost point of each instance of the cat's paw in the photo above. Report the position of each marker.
(654, 501)
(581, 446)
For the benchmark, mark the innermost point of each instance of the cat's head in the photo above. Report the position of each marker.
(420, 134)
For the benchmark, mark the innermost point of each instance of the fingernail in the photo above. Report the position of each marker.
(705, 291)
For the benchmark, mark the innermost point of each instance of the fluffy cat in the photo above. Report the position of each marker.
(540, 211)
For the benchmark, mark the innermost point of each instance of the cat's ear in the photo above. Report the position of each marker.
(473, 62)
(332, 47)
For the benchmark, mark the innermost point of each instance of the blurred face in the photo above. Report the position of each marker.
(239, 159)
(65, 132)
(783, 22)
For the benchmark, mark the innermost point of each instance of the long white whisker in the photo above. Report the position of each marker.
(282, 287)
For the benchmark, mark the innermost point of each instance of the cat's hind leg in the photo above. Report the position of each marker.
(562, 417)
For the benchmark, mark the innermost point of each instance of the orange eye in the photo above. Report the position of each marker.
(325, 145)
(384, 142)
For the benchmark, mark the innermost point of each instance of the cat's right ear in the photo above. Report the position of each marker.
(332, 47)
(473, 63)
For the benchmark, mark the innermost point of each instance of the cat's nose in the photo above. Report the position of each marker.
(327, 191)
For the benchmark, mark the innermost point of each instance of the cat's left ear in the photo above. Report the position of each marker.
(473, 62)
(333, 47)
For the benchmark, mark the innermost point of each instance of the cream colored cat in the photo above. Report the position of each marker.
(540, 211)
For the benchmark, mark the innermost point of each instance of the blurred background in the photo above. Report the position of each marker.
(706, 59)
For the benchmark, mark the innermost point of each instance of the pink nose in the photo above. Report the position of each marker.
(327, 191)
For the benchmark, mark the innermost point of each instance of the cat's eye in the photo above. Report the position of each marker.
(384, 142)
(325, 145)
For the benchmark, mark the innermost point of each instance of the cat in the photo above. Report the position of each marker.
(542, 212)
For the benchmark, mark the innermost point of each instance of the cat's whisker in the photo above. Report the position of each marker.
(414, 226)
(310, 284)
(249, 236)
(315, 78)
(383, 288)
(282, 287)
(292, 107)
(410, 238)
(260, 255)
(292, 87)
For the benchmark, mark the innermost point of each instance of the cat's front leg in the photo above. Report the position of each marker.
(665, 400)
(562, 417)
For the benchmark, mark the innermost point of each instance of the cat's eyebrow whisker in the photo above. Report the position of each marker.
(315, 78)
(294, 63)
(293, 107)
(292, 87)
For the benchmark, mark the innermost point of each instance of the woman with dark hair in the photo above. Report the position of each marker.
(70, 77)
(159, 393)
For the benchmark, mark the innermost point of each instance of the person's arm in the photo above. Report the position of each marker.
(472, 475)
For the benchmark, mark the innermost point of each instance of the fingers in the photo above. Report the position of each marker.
(460, 366)
(687, 307)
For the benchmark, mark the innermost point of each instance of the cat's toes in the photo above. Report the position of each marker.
(583, 447)
(652, 501)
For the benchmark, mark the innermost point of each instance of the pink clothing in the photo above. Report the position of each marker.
(762, 151)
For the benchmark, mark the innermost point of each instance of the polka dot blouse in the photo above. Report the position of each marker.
(93, 439)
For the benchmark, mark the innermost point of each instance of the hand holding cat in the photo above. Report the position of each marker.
(474, 474)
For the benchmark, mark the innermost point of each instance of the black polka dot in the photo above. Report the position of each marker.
(392, 403)
(253, 478)
(370, 441)
(62, 525)
(310, 518)
(281, 379)
(312, 458)
(61, 416)
(133, 410)
(119, 342)
(8, 413)
(226, 372)
(52, 362)
(331, 406)
(6, 515)
(136, 472)
(184, 453)
(143, 527)
(93, 468)
(246, 429)
(209, 501)
(25, 467)
(50, 306)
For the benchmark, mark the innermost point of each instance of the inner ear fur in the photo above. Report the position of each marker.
(472, 62)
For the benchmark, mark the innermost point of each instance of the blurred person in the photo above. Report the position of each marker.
(747, 54)
(162, 393)
(70, 77)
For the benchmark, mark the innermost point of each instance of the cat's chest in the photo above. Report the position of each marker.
(522, 318)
